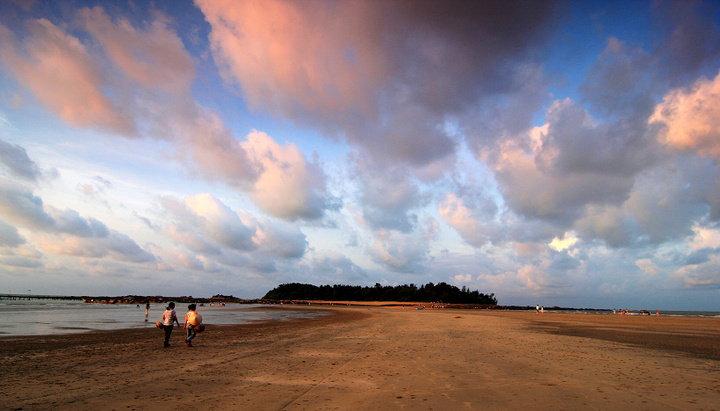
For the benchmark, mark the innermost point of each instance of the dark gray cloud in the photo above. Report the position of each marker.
(701, 256)
(16, 161)
(20, 262)
(334, 268)
(74, 235)
(388, 196)
(22, 207)
(123, 248)
(619, 85)
(9, 236)
(70, 222)
(690, 39)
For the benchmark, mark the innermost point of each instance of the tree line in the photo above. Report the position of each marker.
(441, 292)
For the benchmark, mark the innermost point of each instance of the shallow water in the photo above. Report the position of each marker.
(42, 317)
(711, 314)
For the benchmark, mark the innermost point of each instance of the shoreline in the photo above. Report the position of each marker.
(137, 299)
(376, 357)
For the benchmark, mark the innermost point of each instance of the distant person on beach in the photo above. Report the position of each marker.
(147, 309)
(192, 319)
(168, 317)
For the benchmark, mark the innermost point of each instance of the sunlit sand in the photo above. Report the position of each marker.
(378, 358)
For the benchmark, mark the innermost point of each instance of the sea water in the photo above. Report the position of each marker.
(43, 317)
(710, 314)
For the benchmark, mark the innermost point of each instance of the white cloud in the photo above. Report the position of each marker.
(288, 186)
(206, 225)
(399, 252)
(703, 275)
(566, 242)
(462, 278)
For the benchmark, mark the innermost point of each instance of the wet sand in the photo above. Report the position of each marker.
(364, 358)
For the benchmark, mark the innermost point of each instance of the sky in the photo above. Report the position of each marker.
(552, 153)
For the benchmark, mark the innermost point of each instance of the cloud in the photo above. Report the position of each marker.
(123, 248)
(575, 162)
(192, 240)
(17, 162)
(538, 192)
(9, 236)
(691, 118)
(462, 219)
(664, 206)
(62, 74)
(705, 238)
(116, 245)
(141, 86)
(205, 224)
(65, 232)
(563, 244)
(701, 274)
(153, 56)
(508, 115)
(212, 219)
(19, 262)
(276, 238)
(388, 198)
(21, 207)
(287, 185)
(463, 278)
(329, 267)
(401, 252)
(619, 84)
(690, 38)
(536, 279)
(24, 208)
(376, 72)
(70, 222)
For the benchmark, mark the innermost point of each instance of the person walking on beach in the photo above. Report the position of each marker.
(147, 309)
(168, 317)
(192, 319)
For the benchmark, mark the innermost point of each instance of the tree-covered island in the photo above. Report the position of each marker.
(441, 292)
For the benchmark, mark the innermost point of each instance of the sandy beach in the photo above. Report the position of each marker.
(364, 358)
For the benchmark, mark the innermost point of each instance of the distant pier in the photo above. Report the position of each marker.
(129, 299)
(38, 297)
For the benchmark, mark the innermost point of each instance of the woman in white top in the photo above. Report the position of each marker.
(169, 316)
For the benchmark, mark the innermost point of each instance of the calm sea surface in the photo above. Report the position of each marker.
(712, 314)
(42, 317)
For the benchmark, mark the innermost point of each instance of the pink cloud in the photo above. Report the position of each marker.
(297, 57)
(382, 74)
(154, 56)
(462, 219)
(60, 72)
(692, 118)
